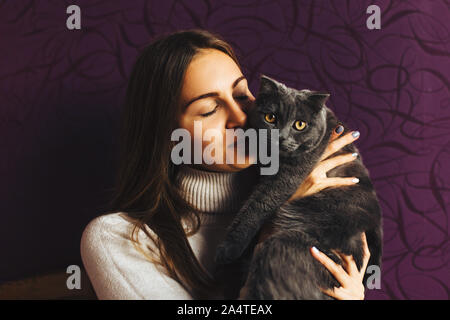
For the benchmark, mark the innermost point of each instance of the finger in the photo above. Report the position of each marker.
(327, 165)
(349, 264)
(341, 256)
(366, 255)
(337, 144)
(335, 269)
(336, 132)
(338, 182)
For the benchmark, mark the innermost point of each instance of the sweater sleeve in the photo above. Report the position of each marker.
(117, 270)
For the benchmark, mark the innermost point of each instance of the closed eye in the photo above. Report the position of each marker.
(210, 113)
(240, 98)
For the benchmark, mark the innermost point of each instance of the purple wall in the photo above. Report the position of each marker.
(60, 95)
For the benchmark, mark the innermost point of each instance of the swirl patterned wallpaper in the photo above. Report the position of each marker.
(61, 92)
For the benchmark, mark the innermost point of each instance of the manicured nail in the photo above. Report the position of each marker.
(355, 134)
(315, 250)
(355, 180)
(339, 129)
(355, 154)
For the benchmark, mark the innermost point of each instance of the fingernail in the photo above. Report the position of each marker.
(315, 250)
(355, 134)
(339, 129)
(355, 154)
(355, 180)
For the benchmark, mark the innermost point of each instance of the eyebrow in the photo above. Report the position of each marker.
(213, 94)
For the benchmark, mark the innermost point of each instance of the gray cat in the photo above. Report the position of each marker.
(282, 266)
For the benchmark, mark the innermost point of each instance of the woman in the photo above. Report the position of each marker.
(158, 239)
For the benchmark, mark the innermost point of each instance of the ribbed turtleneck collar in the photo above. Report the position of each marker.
(215, 193)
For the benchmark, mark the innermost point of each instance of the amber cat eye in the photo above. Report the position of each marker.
(270, 117)
(299, 125)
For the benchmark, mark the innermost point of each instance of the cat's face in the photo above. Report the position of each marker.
(299, 115)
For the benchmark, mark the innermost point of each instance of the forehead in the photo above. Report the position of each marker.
(210, 70)
(289, 104)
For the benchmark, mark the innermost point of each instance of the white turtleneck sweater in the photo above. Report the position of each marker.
(118, 271)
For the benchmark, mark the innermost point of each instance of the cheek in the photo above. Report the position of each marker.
(213, 132)
(205, 132)
(210, 130)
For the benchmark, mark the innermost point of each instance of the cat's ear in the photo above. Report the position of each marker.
(267, 85)
(318, 98)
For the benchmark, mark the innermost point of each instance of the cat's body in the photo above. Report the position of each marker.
(282, 266)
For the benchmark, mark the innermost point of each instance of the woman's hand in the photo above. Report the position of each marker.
(350, 278)
(317, 179)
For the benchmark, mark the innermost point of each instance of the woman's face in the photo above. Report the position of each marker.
(215, 94)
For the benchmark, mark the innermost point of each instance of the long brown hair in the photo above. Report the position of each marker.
(145, 188)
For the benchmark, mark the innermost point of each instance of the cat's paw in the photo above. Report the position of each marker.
(227, 253)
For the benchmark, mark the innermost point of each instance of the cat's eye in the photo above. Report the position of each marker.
(299, 125)
(269, 117)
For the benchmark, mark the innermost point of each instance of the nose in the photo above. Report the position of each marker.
(236, 116)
